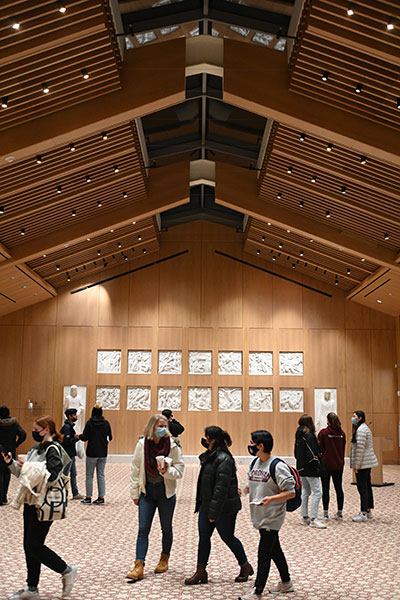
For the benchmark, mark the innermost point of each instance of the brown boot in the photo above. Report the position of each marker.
(162, 564)
(245, 571)
(200, 576)
(137, 571)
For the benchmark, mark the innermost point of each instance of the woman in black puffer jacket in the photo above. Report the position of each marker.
(218, 503)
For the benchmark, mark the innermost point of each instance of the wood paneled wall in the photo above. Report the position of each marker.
(203, 301)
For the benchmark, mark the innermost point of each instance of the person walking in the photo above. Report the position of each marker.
(332, 441)
(268, 497)
(157, 464)
(310, 466)
(218, 503)
(69, 444)
(362, 460)
(97, 434)
(11, 436)
(37, 554)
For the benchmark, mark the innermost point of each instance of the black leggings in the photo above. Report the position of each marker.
(337, 482)
(363, 478)
(269, 549)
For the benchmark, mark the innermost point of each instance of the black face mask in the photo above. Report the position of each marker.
(75, 420)
(36, 436)
(252, 449)
(204, 443)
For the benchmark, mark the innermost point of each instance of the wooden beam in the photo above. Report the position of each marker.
(168, 188)
(237, 189)
(257, 80)
(152, 78)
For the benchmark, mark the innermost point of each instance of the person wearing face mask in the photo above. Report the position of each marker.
(69, 444)
(218, 503)
(157, 464)
(37, 554)
(362, 460)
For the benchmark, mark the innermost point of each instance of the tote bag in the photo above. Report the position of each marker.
(55, 502)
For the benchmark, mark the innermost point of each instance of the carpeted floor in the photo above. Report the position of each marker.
(347, 561)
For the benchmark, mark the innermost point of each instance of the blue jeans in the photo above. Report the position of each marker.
(225, 525)
(72, 472)
(148, 503)
(99, 464)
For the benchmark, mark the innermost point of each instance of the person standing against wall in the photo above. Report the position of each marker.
(175, 428)
(97, 434)
(332, 441)
(69, 444)
(362, 460)
(11, 436)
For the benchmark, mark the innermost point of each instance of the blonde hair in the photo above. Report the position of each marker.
(149, 429)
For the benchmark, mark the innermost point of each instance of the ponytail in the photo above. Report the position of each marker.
(48, 422)
(221, 437)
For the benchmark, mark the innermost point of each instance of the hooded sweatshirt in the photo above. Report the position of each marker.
(332, 442)
(97, 434)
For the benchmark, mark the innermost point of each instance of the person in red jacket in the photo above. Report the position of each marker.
(332, 441)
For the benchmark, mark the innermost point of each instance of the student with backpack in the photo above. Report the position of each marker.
(272, 483)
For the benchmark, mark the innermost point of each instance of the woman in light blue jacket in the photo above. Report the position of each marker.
(362, 460)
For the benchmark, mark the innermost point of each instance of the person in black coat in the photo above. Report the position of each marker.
(69, 444)
(310, 466)
(11, 436)
(218, 503)
(174, 427)
(97, 434)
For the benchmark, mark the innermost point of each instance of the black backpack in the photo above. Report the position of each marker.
(293, 503)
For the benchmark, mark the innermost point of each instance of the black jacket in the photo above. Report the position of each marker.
(217, 485)
(308, 454)
(69, 441)
(175, 428)
(97, 434)
(11, 435)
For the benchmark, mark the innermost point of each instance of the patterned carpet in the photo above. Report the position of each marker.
(347, 561)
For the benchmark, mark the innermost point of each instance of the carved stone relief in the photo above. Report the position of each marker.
(260, 363)
(230, 363)
(170, 362)
(291, 400)
(291, 363)
(138, 398)
(229, 399)
(325, 401)
(199, 398)
(109, 361)
(260, 400)
(108, 397)
(139, 361)
(200, 363)
(169, 397)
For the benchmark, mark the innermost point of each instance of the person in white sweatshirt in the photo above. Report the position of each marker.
(267, 510)
(362, 460)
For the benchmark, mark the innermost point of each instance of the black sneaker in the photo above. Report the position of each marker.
(86, 501)
(99, 501)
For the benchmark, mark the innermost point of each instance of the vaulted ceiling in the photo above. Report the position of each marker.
(279, 118)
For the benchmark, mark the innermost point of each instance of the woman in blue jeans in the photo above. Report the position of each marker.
(218, 503)
(97, 434)
(157, 464)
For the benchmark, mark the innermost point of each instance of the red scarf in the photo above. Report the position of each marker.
(151, 451)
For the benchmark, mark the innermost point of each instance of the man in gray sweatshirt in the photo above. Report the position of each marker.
(267, 510)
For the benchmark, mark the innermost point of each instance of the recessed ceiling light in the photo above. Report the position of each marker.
(379, 301)
(313, 179)
(363, 159)
(88, 239)
(290, 170)
(39, 159)
(139, 237)
(73, 213)
(44, 255)
(327, 214)
(329, 147)
(58, 267)
(350, 10)
(363, 260)
(133, 222)
(386, 236)
(301, 204)
(269, 224)
(279, 195)
(68, 277)
(302, 137)
(45, 88)
(23, 287)
(119, 245)
(325, 76)
(98, 252)
(1, 210)
(263, 238)
(22, 231)
(398, 102)
(390, 24)
(144, 250)
(4, 102)
(111, 230)
(288, 230)
(85, 73)
(88, 178)
(343, 190)
(99, 203)
(59, 189)
(16, 24)
(280, 245)
(66, 245)
(116, 169)
(61, 7)
(359, 87)
(124, 194)
(104, 135)
(12, 277)
(258, 251)
(125, 257)
(311, 240)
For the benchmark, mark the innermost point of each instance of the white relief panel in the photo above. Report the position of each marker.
(200, 363)
(230, 363)
(325, 401)
(169, 397)
(291, 400)
(291, 363)
(229, 399)
(108, 396)
(139, 361)
(109, 361)
(170, 362)
(199, 398)
(260, 400)
(138, 398)
(260, 363)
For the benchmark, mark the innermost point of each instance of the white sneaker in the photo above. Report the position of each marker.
(317, 524)
(305, 521)
(360, 518)
(68, 580)
(252, 595)
(338, 517)
(369, 515)
(282, 588)
(25, 594)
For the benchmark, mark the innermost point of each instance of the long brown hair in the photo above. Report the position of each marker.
(307, 422)
(49, 422)
(334, 420)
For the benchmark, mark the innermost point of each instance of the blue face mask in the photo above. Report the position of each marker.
(354, 420)
(161, 432)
